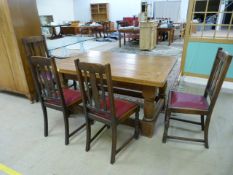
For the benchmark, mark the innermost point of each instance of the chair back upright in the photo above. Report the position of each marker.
(36, 46)
(96, 88)
(217, 76)
(45, 75)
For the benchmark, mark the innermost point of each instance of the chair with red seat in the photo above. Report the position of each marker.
(51, 94)
(100, 105)
(179, 102)
(36, 46)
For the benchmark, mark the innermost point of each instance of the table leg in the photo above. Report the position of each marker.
(147, 124)
(60, 33)
(119, 39)
(173, 32)
(53, 33)
(169, 38)
(152, 109)
(124, 39)
(162, 94)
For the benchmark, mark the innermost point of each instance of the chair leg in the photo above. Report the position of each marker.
(202, 122)
(136, 133)
(166, 126)
(114, 143)
(206, 130)
(75, 85)
(66, 122)
(45, 120)
(88, 135)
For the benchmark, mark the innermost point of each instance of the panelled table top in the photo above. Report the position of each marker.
(130, 68)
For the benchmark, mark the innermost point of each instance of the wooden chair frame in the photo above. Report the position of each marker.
(36, 46)
(95, 82)
(217, 76)
(49, 89)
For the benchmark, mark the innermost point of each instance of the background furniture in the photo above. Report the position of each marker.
(148, 35)
(46, 20)
(170, 33)
(73, 29)
(18, 19)
(101, 104)
(128, 21)
(99, 12)
(54, 34)
(128, 72)
(70, 30)
(128, 32)
(66, 41)
(186, 103)
(51, 94)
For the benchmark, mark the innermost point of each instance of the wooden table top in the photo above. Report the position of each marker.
(130, 68)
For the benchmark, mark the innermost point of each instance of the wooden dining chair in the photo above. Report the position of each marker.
(51, 94)
(36, 46)
(100, 105)
(179, 102)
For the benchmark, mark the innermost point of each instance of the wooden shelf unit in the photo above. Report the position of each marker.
(99, 12)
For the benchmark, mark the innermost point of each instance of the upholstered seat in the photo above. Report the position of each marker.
(189, 101)
(121, 108)
(71, 96)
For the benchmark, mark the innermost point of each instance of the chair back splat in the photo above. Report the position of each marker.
(217, 76)
(47, 81)
(97, 84)
(36, 46)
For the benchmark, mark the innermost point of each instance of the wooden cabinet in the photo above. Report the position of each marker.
(99, 12)
(18, 19)
(148, 35)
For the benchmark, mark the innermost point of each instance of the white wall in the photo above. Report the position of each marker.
(82, 10)
(119, 9)
(183, 10)
(62, 10)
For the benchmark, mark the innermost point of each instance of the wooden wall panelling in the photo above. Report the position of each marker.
(11, 57)
(19, 19)
(26, 22)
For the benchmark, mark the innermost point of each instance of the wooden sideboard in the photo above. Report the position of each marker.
(18, 19)
(148, 35)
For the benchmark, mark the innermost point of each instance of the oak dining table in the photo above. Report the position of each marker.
(136, 75)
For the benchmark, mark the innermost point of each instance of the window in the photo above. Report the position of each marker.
(212, 19)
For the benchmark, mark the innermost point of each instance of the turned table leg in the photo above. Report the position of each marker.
(152, 108)
(147, 124)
